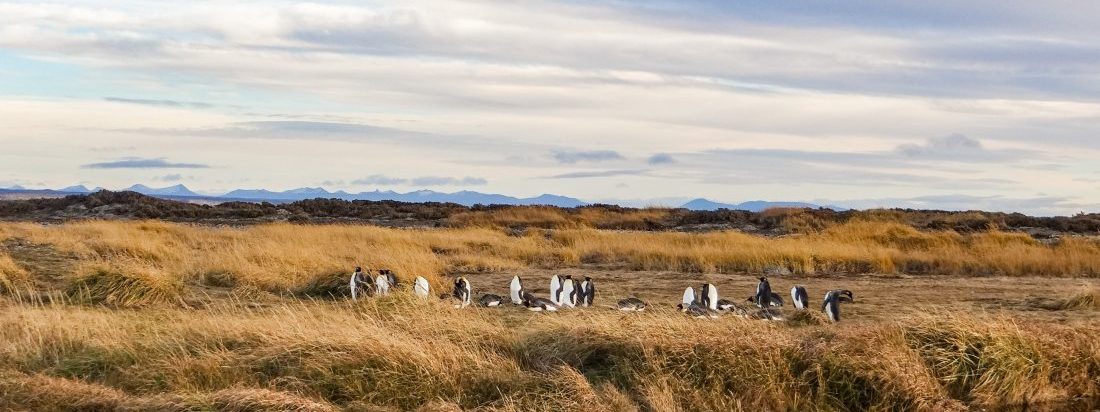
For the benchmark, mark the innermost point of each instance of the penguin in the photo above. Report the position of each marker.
(697, 311)
(537, 304)
(689, 297)
(588, 287)
(726, 304)
(568, 295)
(800, 298)
(763, 294)
(845, 295)
(391, 278)
(360, 281)
(708, 296)
(831, 305)
(462, 292)
(632, 304)
(776, 300)
(516, 290)
(555, 290)
(421, 287)
(490, 300)
(763, 314)
(382, 284)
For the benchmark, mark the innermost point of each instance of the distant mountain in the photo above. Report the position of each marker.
(465, 197)
(752, 206)
(75, 189)
(175, 191)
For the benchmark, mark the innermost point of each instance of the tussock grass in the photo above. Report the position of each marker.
(314, 261)
(126, 288)
(402, 353)
(14, 280)
(1087, 299)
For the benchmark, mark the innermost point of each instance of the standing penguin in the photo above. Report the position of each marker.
(689, 297)
(588, 289)
(462, 292)
(382, 284)
(360, 281)
(555, 290)
(391, 278)
(800, 298)
(708, 296)
(516, 290)
(763, 297)
(421, 287)
(568, 295)
(831, 305)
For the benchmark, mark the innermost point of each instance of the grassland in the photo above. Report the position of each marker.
(150, 315)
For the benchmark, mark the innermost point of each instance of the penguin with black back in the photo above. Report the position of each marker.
(831, 305)
(462, 292)
(800, 298)
(631, 304)
(490, 300)
(588, 292)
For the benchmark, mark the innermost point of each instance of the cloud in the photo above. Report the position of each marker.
(161, 103)
(379, 180)
(169, 178)
(448, 181)
(570, 157)
(601, 173)
(660, 158)
(140, 163)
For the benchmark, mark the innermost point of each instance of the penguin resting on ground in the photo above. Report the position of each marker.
(537, 304)
(631, 304)
(490, 300)
(516, 290)
(800, 298)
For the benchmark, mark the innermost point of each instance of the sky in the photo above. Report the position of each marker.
(938, 104)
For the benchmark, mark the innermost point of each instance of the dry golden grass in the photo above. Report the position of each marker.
(14, 280)
(156, 260)
(399, 353)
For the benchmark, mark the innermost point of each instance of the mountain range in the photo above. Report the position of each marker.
(465, 197)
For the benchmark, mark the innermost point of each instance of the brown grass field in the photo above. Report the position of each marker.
(150, 315)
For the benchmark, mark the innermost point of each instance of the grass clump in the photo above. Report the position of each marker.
(131, 288)
(14, 280)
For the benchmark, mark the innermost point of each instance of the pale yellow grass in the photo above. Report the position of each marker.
(162, 258)
(402, 353)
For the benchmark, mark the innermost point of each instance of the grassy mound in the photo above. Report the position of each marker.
(125, 289)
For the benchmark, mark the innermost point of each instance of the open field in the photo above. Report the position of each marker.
(161, 316)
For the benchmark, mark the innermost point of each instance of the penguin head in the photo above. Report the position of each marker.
(586, 278)
(849, 293)
(569, 276)
(680, 306)
(763, 279)
(358, 269)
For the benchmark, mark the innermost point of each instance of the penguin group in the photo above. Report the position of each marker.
(365, 284)
(706, 304)
(566, 292)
